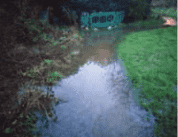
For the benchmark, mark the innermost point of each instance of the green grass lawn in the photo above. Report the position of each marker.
(150, 58)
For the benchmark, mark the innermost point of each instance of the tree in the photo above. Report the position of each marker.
(139, 9)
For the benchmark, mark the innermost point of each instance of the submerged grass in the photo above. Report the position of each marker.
(150, 58)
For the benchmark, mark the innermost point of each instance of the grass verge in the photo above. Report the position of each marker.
(150, 58)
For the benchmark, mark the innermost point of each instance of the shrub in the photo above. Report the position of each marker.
(139, 9)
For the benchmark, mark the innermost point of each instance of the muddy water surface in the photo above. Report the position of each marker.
(100, 100)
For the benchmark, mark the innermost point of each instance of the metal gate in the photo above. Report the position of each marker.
(102, 19)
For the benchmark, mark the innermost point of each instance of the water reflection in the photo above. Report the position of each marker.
(100, 103)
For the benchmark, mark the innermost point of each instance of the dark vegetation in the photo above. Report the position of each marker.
(21, 30)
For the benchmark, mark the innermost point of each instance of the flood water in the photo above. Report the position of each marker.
(99, 100)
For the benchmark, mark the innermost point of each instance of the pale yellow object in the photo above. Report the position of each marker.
(169, 21)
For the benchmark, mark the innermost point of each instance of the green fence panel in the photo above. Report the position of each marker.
(102, 19)
(119, 17)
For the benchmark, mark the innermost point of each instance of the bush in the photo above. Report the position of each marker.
(139, 9)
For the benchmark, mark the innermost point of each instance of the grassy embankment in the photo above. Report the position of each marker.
(150, 58)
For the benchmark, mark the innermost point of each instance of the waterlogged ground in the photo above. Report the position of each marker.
(99, 100)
